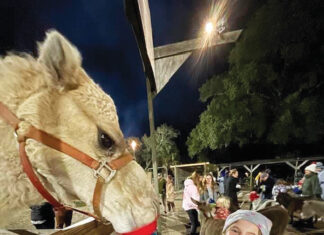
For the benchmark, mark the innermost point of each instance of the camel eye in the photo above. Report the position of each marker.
(105, 141)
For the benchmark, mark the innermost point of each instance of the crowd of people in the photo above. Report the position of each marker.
(221, 193)
(311, 184)
(225, 204)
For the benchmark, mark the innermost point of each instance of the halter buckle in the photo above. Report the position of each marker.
(102, 167)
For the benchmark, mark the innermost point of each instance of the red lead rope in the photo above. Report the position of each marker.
(148, 229)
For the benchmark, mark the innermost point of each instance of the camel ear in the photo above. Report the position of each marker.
(196, 202)
(60, 57)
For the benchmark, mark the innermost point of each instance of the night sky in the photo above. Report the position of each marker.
(105, 39)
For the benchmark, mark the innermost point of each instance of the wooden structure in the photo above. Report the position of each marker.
(176, 167)
(251, 166)
(91, 227)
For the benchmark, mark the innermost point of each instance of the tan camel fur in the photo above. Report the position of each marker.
(54, 94)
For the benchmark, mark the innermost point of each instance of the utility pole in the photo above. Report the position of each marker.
(152, 130)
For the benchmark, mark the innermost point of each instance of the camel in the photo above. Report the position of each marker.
(292, 203)
(312, 208)
(54, 93)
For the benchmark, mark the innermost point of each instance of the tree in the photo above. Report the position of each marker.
(166, 148)
(273, 90)
(144, 156)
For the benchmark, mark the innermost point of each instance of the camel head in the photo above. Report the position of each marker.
(308, 209)
(54, 94)
(205, 208)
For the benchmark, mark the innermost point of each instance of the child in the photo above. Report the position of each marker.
(247, 222)
(223, 205)
(281, 186)
(170, 194)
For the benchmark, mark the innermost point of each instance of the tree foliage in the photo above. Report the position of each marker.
(166, 148)
(273, 90)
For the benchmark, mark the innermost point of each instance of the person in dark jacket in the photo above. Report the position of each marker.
(42, 216)
(266, 185)
(230, 187)
(162, 191)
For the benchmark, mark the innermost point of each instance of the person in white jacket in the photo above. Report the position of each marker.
(320, 174)
(191, 191)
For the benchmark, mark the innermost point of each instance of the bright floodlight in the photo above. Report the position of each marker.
(133, 145)
(209, 27)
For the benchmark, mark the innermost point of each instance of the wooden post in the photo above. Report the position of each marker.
(251, 178)
(251, 170)
(152, 130)
(296, 169)
(176, 186)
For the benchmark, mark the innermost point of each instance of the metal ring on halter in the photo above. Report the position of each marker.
(107, 178)
(18, 137)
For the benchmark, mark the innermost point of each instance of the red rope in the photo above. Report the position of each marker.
(145, 230)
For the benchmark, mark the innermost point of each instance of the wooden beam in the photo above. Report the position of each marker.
(223, 168)
(270, 161)
(89, 227)
(191, 164)
(291, 165)
(255, 167)
(141, 25)
(194, 44)
(303, 163)
(248, 169)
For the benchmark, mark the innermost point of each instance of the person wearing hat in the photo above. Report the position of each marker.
(246, 222)
(320, 174)
(311, 186)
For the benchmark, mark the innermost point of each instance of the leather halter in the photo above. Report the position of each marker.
(104, 171)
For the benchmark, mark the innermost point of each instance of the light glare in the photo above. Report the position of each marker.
(133, 145)
(209, 27)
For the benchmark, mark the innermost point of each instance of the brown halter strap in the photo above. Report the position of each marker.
(104, 171)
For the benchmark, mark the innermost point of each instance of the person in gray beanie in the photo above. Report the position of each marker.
(247, 222)
(320, 175)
